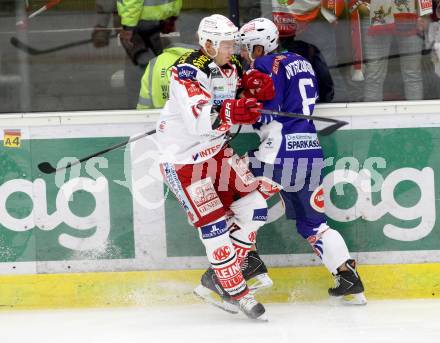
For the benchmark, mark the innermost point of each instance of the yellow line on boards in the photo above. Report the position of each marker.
(111, 289)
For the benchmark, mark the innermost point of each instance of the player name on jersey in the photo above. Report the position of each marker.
(298, 66)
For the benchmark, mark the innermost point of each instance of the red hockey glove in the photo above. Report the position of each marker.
(258, 85)
(240, 111)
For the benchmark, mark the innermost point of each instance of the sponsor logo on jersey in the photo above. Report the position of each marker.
(317, 200)
(268, 143)
(302, 141)
(252, 236)
(184, 57)
(215, 73)
(214, 230)
(193, 89)
(260, 214)
(201, 61)
(176, 187)
(204, 196)
(206, 152)
(222, 253)
(186, 72)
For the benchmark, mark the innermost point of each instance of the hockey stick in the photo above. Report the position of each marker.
(46, 7)
(47, 168)
(32, 51)
(324, 132)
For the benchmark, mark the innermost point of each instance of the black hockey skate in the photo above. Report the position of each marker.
(248, 305)
(348, 286)
(209, 284)
(255, 273)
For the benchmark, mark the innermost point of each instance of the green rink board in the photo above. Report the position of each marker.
(399, 148)
(38, 243)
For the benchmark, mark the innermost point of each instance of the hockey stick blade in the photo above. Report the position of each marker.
(24, 47)
(332, 128)
(47, 168)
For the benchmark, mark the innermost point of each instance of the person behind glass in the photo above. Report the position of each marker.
(432, 41)
(400, 21)
(311, 53)
(211, 183)
(290, 158)
(308, 27)
(155, 82)
(105, 11)
(142, 22)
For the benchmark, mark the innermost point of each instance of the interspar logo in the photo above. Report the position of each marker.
(98, 219)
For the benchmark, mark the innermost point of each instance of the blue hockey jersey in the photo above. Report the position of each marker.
(285, 140)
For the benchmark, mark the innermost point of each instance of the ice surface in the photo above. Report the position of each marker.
(415, 321)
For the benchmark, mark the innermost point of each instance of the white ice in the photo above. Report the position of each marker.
(412, 321)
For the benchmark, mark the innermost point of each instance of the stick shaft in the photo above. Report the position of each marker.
(298, 115)
(111, 148)
(336, 124)
(32, 51)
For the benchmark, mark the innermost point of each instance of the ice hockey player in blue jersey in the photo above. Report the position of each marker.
(290, 158)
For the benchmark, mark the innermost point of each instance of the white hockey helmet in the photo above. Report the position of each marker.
(260, 31)
(216, 28)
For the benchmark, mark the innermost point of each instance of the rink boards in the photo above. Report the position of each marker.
(109, 233)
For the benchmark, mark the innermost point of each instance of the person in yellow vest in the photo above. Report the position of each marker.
(156, 79)
(147, 18)
(142, 22)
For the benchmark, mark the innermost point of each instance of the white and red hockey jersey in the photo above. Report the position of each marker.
(198, 86)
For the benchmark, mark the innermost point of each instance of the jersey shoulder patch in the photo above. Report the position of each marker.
(190, 62)
(276, 63)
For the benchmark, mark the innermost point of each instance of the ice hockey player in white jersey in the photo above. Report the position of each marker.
(212, 184)
(291, 151)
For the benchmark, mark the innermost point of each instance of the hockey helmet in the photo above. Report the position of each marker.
(260, 31)
(216, 28)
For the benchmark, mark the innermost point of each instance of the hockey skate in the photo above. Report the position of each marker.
(209, 285)
(348, 286)
(255, 273)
